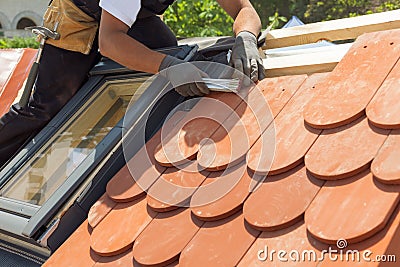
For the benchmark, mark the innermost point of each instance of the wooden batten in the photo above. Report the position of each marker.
(304, 61)
(340, 29)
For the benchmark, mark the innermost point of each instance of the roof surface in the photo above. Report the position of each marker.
(335, 175)
(14, 69)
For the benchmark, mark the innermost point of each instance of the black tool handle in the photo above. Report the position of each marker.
(29, 85)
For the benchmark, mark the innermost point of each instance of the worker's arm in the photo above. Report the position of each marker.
(116, 44)
(245, 56)
(244, 14)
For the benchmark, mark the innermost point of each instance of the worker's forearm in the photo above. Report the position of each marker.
(244, 14)
(136, 56)
(247, 20)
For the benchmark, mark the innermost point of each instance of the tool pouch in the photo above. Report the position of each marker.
(76, 28)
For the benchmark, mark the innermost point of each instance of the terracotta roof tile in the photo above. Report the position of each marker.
(222, 194)
(14, 69)
(123, 187)
(165, 237)
(386, 242)
(75, 251)
(281, 200)
(219, 243)
(292, 137)
(345, 93)
(198, 124)
(294, 237)
(322, 187)
(384, 109)
(121, 260)
(117, 232)
(361, 207)
(386, 165)
(100, 209)
(249, 120)
(333, 157)
(173, 188)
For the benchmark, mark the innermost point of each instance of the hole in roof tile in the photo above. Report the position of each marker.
(392, 43)
(365, 46)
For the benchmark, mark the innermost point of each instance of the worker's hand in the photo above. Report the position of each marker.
(184, 76)
(246, 58)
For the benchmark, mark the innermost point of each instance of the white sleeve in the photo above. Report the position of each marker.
(124, 10)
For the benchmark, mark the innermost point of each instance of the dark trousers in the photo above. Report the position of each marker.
(61, 74)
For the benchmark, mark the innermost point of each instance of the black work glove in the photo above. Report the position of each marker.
(184, 76)
(246, 58)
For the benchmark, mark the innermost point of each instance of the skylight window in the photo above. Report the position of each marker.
(37, 181)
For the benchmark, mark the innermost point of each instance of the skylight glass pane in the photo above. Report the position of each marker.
(69, 147)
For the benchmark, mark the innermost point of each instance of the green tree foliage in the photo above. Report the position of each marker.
(269, 10)
(319, 10)
(198, 18)
(388, 5)
(18, 42)
(327, 10)
(189, 18)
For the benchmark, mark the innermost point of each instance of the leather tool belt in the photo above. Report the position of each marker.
(77, 21)
(76, 28)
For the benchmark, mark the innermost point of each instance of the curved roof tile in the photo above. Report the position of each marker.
(345, 200)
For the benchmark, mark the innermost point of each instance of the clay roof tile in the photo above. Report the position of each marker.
(334, 177)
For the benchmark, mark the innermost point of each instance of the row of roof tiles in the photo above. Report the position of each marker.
(310, 161)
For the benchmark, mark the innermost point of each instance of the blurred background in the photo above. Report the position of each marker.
(190, 18)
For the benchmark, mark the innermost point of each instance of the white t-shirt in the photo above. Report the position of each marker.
(124, 10)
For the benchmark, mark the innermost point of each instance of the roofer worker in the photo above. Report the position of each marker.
(126, 31)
